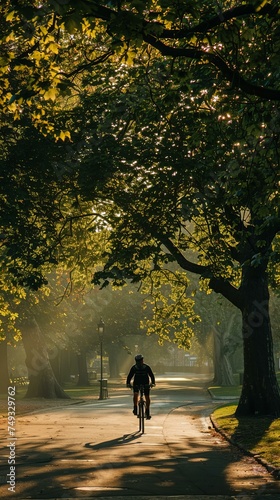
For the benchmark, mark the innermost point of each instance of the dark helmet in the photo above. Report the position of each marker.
(138, 357)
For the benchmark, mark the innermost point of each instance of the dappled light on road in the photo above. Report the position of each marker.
(95, 448)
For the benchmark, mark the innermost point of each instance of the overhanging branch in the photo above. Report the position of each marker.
(232, 76)
(217, 284)
(219, 19)
(181, 259)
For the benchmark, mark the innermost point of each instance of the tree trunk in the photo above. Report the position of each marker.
(4, 379)
(222, 368)
(61, 366)
(260, 393)
(82, 367)
(42, 381)
(68, 364)
(114, 352)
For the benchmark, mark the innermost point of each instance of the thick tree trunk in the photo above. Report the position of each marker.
(260, 393)
(42, 381)
(4, 379)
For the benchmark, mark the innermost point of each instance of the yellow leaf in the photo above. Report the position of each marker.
(11, 15)
(13, 106)
(193, 40)
(68, 134)
(36, 55)
(51, 94)
(44, 30)
(262, 4)
(10, 37)
(53, 47)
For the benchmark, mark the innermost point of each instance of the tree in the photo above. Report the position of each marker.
(233, 47)
(230, 202)
(170, 307)
(5, 378)
(122, 313)
(42, 381)
(233, 209)
(220, 322)
(10, 299)
(203, 147)
(36, 216)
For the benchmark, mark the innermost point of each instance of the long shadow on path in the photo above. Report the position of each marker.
(87, 453)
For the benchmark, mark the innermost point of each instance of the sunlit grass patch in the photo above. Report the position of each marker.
(259, 435)
(220, 392)
(80, 392)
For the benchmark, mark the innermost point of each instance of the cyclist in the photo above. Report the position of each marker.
(142, 374)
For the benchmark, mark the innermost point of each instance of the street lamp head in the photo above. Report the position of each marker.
(100, 327)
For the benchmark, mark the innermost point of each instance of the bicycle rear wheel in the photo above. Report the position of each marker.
(141, 417)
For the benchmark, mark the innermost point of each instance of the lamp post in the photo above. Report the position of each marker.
(100, 329)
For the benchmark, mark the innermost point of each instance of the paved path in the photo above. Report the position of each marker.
(94, 450)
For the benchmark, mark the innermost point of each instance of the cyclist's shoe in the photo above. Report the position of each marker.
(148, 416)
(134, 411)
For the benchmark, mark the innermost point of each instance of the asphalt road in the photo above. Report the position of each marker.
(93, 449)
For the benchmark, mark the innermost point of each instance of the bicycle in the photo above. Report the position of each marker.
(141, 413)
(141, 409)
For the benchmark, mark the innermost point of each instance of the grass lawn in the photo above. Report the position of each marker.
(93, 390)
(259, 435)
(82, 392)
(225, 392)
(74, 391)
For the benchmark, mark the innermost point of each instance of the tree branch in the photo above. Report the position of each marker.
(182, 261)
(232, 294)
(94, 62)
(222, 17)
(217, 284)
(232, 76)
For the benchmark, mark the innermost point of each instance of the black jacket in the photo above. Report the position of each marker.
(141, 374)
